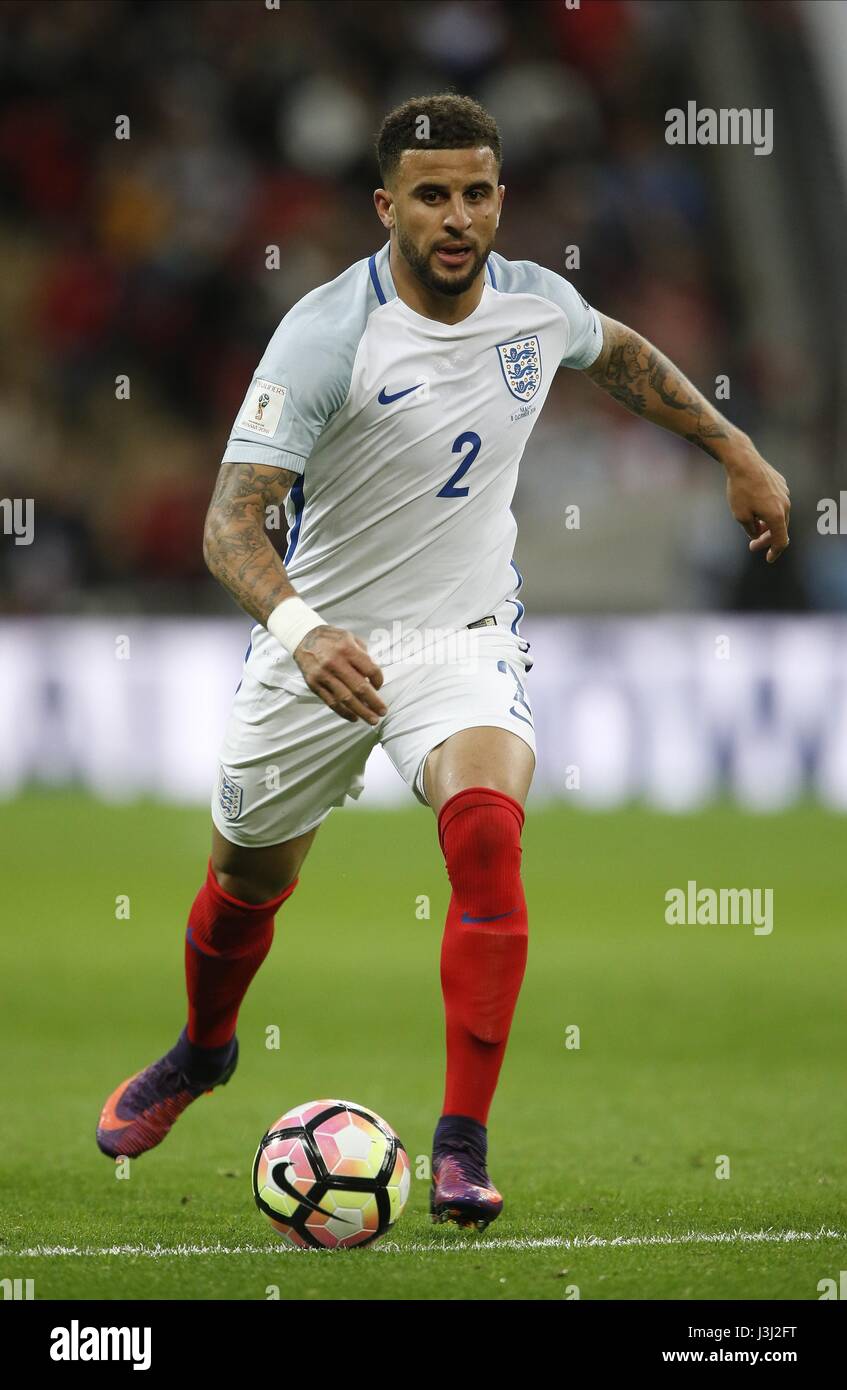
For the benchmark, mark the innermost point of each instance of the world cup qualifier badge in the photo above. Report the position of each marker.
(230, 796)
(520, 361)
(263, 408)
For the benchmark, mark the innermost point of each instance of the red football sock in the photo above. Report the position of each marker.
(225, 943)
(484, 948)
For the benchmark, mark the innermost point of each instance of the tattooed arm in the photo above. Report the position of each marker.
(237, 550)
(642, 379)
(236, 546)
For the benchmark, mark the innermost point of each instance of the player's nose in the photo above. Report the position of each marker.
(458, 217)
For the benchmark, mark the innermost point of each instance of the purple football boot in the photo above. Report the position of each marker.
(461, 1189)
(139, 1114)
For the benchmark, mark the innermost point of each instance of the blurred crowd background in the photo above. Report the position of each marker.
(253, 127)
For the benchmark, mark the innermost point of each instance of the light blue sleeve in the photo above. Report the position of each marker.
(585, 332)
(304, 375)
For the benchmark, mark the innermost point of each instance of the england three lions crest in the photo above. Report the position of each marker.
(230, 796)
(520, 361)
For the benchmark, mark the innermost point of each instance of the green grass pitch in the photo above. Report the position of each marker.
(696, 1042)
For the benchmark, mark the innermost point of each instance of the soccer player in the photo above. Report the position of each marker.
(389, 415)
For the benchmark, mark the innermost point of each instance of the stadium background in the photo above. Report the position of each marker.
(253, 128)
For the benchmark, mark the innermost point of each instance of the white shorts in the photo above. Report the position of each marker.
(287, 759)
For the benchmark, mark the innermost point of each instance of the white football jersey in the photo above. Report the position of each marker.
(406, 434)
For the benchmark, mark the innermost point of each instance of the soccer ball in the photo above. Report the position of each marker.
(329, 1174)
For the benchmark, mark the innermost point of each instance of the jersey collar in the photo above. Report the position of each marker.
(383, 283)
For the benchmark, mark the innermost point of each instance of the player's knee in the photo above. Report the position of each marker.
(249, 888)
(484, 860)
(496, 839)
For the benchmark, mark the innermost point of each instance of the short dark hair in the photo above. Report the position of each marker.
(454, 122)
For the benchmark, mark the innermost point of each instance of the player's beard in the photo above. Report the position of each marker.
(420, 265)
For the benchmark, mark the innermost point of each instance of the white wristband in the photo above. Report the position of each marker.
(291, 620)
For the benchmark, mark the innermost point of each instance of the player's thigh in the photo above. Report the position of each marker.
(463, 720)
(256, 874)
(286, 760)
(478, 757)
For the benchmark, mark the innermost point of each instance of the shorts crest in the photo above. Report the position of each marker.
(230, 796)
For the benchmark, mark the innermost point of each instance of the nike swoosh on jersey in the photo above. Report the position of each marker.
(499, 915)
(385, 399)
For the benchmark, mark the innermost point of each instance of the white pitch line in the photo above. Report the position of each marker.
(158, 1252)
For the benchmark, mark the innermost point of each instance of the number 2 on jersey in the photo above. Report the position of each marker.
(449, 489)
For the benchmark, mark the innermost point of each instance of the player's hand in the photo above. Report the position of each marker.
(758, 498)
(336, 666)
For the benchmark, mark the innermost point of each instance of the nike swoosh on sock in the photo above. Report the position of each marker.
(496, 918)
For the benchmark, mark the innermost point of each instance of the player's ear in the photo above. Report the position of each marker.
(384, 205)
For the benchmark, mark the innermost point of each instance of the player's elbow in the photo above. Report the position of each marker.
(211, 543)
